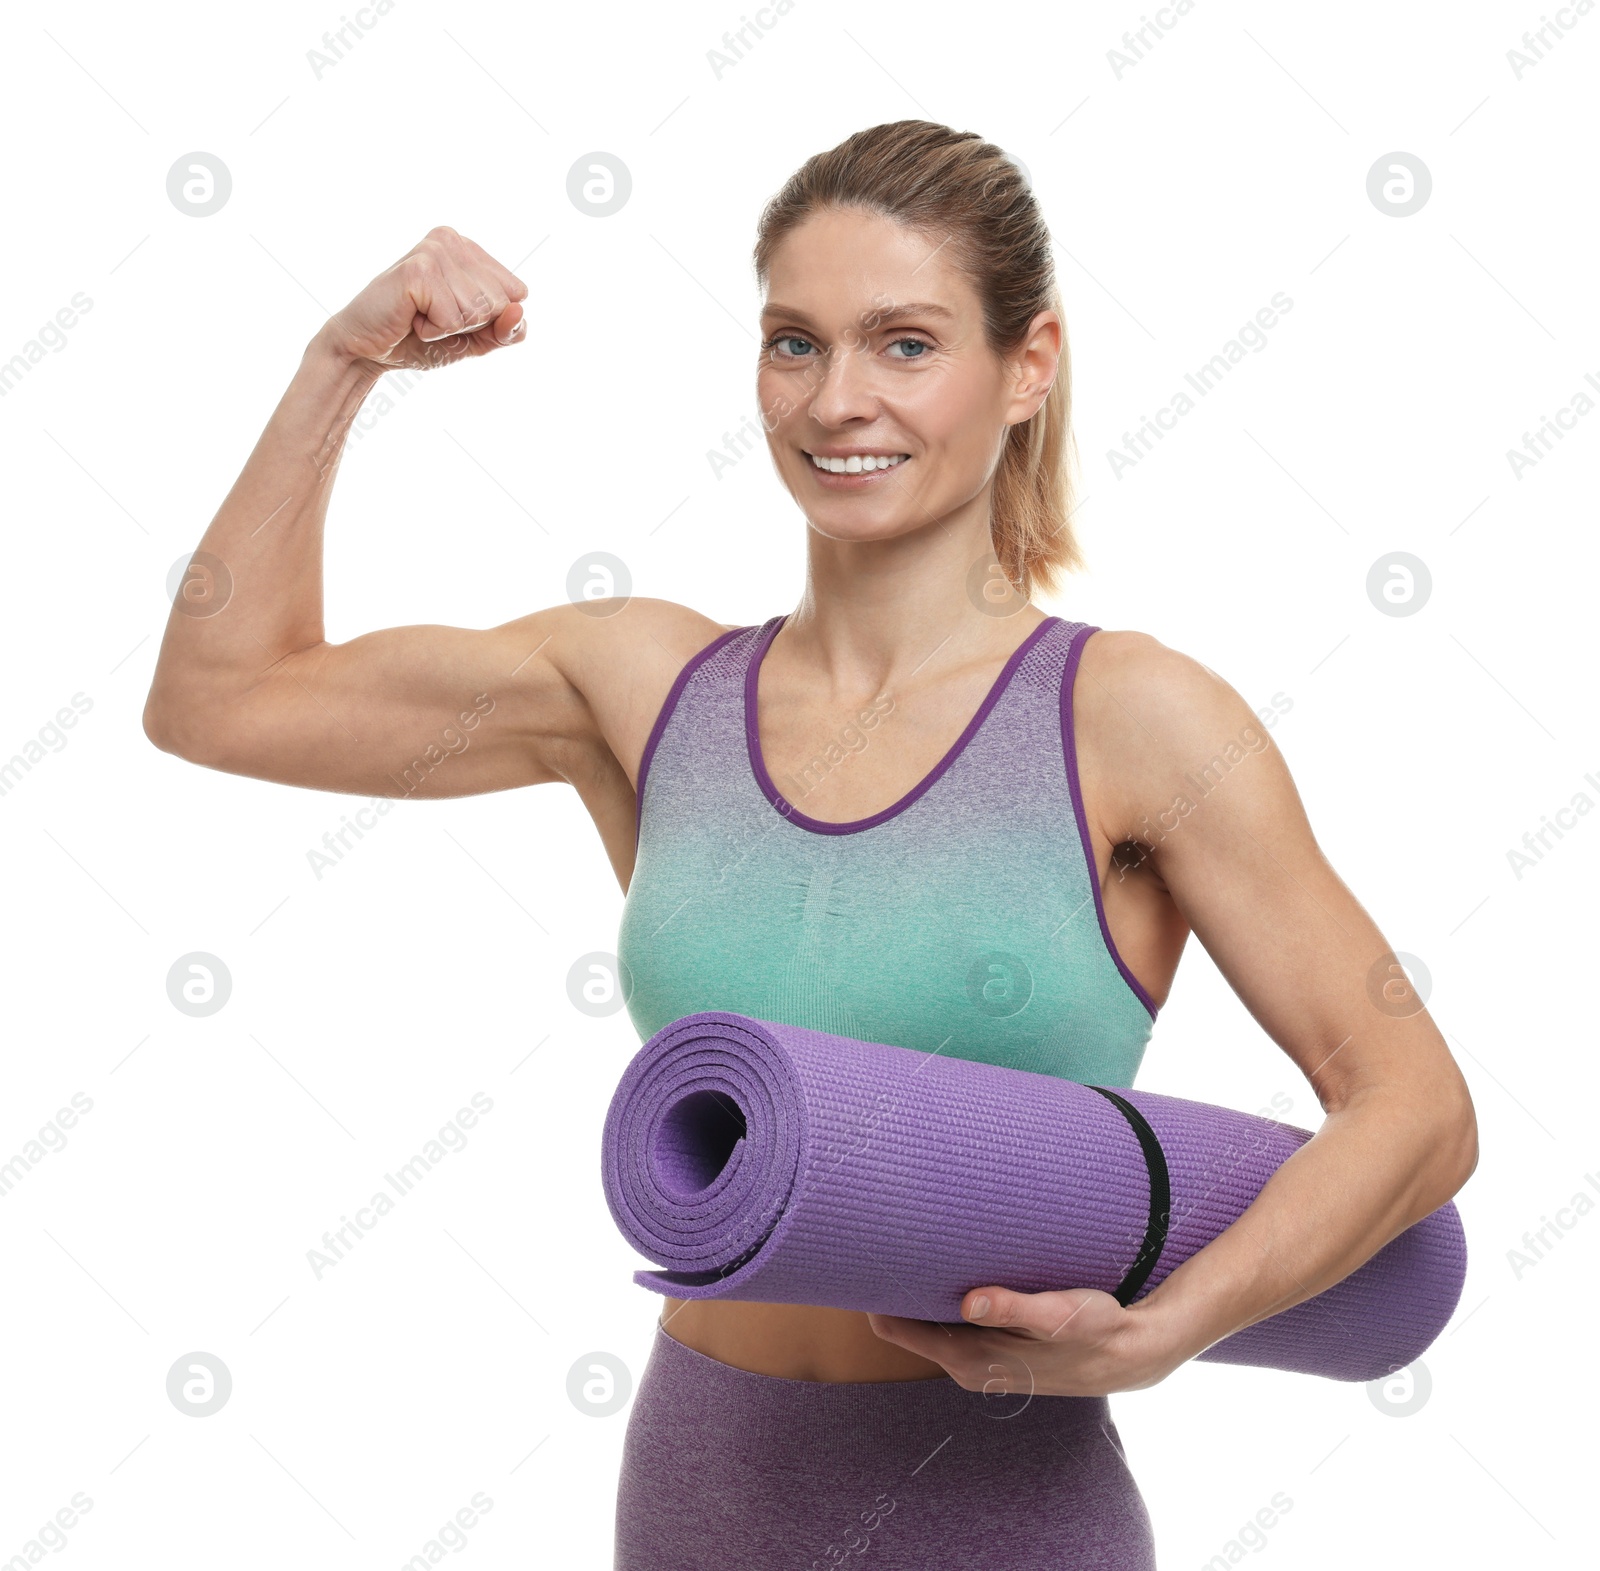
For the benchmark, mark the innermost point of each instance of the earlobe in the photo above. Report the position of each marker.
(1042, 399)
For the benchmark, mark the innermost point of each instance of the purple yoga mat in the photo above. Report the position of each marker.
(769, 1163)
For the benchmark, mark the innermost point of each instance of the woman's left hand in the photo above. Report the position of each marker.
(1077, 1342)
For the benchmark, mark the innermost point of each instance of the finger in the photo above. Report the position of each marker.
(444, 296)
(469, 337)
(438, 311)
(1025, 1314)
(478, 295)
(1083, 1314)
(511, 326)
(513, 287)
(991, 1306)
(461, 289)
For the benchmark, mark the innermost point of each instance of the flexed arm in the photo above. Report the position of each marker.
(246, 680)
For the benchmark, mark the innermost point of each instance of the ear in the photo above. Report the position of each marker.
(1035, 366)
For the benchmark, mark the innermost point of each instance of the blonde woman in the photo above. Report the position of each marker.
(915, 809)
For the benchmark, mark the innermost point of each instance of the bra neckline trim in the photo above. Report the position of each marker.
(822, 826)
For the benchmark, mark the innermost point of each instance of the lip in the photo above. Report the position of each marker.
(849, 452)
(829, 481)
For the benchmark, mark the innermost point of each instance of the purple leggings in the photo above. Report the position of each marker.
(726, 1470)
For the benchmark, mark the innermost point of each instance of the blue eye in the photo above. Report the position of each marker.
(790, 339)
(786, 338)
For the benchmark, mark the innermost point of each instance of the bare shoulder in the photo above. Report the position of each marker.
(602, 646)
(623, 656)
(1137, 678)
(1149, 716)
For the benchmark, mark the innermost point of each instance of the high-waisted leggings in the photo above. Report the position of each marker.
(727, 1470)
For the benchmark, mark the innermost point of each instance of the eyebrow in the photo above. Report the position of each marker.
(889, 314)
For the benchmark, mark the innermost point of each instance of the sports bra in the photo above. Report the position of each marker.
(965, 918)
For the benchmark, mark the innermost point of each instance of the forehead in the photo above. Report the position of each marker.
(839, 262)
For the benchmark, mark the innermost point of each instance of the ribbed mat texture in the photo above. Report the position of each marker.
(765, 1162)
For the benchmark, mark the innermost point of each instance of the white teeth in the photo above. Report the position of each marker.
(857, 463)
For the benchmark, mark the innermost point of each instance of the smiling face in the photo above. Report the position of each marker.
(874, 363)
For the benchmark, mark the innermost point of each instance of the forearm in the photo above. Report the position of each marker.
(1376, 1166)
(231, 622)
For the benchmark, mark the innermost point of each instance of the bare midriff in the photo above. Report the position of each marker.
(792, 1341)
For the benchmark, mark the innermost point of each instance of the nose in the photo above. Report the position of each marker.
(845, 392)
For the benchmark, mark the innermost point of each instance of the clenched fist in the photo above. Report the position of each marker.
(445, 300)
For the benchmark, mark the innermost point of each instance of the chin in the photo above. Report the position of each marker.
(864, 531)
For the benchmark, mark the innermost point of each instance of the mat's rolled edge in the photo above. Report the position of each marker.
(1423, 1268)
(1278, 1343)
(765, 1225)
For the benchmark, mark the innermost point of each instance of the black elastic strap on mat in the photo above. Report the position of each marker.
(1155, 1233)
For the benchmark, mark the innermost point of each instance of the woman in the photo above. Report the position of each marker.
(914, 810)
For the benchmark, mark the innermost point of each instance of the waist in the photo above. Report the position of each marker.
(837, 1386)
(792, 1341)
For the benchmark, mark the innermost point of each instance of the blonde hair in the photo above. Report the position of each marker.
(972, 199)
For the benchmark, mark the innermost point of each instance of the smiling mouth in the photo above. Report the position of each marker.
(858, 463)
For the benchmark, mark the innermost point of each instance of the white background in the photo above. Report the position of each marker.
(1229, 164)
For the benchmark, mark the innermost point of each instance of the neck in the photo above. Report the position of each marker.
(878, 612)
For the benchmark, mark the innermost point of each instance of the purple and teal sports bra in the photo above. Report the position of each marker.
(966, 918)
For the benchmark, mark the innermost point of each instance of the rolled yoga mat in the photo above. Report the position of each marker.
(770, 1163)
